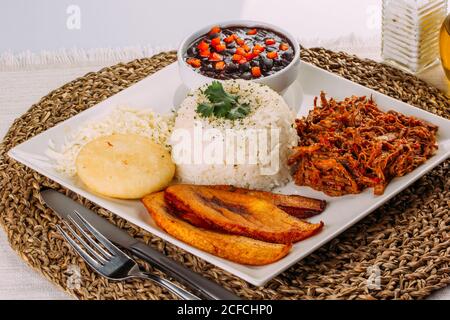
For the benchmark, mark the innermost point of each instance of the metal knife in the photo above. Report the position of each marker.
(63, 206)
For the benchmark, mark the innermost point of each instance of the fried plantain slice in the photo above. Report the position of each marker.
(235, 248)
(238, 214)
(297, 206)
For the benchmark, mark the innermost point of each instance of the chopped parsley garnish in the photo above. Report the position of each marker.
(222, 104)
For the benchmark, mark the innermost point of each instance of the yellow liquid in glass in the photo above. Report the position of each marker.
(445, 46)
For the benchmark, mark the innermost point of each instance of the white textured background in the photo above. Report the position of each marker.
(41, 24)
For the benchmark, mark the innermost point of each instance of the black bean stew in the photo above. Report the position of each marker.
(239, 53)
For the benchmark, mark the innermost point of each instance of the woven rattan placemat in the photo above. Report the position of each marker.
(407, 241)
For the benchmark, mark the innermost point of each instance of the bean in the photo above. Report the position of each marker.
(232, 67)
(192, 51)
(244, 66)
(231, 45)
(288, 55)
(254, 63)
(266, 63)
(247, 76)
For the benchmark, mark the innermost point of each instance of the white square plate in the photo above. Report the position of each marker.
(162, 90)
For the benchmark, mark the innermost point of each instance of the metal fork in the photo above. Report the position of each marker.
(109, 260)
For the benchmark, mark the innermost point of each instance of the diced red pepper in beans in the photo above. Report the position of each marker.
(256, 72)
(243, 60)
(272, 55)
(220, 65)
(245, 47)
(220, 47)
(196, 63)
(215, 57)
(215, 41)
(229, 39)
(205, 53)
(237, 57)
(250, 56)
(256, 52)
(259, 47)
(241, 51)
(203, 46)
(284, 46)
(215, 30)
(240, 41)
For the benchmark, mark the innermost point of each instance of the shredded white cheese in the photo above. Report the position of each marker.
(122, 120)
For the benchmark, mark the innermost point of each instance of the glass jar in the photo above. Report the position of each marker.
(445, 46)
(411, 32)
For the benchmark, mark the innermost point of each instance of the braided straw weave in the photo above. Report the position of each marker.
(408, 239)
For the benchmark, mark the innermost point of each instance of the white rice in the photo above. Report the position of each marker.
(121, 120)
(268, 111)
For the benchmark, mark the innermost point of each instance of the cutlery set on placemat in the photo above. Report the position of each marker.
(96, 240)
